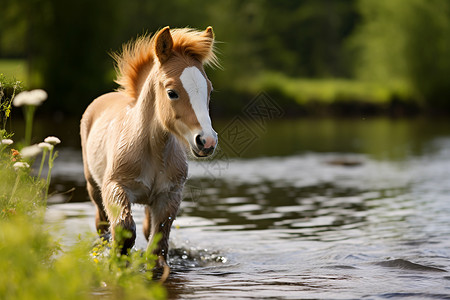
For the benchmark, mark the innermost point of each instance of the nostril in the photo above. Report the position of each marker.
(200, 141)
(209, 150)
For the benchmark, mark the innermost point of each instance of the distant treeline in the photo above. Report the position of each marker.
(66, 45)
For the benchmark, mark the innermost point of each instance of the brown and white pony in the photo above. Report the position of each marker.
(133, 140)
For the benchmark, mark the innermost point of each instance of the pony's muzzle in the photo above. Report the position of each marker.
(205, 144)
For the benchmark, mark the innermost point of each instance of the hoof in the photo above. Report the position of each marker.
(105, 236)
(125, 236)
(127, 243)
(161, 266)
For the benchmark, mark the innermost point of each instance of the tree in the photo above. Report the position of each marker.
(406, 40)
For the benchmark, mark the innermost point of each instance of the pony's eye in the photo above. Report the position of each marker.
(172, 94)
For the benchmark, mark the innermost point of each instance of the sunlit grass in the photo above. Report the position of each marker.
(332, 91)
(14, 68)
(33, 264)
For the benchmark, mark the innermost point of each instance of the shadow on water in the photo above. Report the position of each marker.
(330, 209)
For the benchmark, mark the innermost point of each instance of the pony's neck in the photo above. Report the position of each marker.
(145, 118)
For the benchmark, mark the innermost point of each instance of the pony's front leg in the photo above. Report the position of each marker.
(118, 209)
(161, 215)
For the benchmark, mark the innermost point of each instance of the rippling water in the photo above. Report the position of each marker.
(338, 224)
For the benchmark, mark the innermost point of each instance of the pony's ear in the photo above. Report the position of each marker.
(209, 57)
(163, 44)
(209, 33)
(209, 38)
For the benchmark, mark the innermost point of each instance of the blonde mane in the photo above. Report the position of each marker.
(137, 56)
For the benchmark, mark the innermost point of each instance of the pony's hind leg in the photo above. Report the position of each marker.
(101, 219)
(147, 223)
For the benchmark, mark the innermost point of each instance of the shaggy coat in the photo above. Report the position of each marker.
(134, 140)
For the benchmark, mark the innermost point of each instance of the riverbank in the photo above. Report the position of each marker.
(295, 96)
(336, 96)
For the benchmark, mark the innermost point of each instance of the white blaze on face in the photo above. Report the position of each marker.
(195, 85)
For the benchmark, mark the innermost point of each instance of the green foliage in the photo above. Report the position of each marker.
(382, 41)
(319, 92)
(13, 28)
(15, 68)
(71, 62)
(8, 89)
(35, 266)
(407, 40)
(297, 38)
(14, 187)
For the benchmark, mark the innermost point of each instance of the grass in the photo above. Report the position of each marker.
(333, 91)
(34, 265)
(14, 68)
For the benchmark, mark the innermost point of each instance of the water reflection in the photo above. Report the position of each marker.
(367, 218)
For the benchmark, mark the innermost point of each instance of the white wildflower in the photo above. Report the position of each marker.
(7, 142)
(21, 165)
(52, 140)
(30, 151)
(45, 146)
(33, 97)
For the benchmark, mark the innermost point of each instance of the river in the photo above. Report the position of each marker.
(298, 209)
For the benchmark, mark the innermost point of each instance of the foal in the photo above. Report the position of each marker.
(134, 140)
